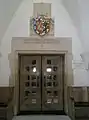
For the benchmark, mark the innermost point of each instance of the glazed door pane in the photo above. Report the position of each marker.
(52, 83)
(30, 86)
(41, 83)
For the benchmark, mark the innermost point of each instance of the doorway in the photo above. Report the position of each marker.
(41, 83)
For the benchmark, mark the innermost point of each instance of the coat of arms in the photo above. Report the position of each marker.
(41, 24)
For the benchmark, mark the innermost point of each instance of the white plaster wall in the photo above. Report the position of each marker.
(84, 15)
(72, 6)
(79, 13)
(7, 10)
(84, 32)
(19, 27)
(81, 77)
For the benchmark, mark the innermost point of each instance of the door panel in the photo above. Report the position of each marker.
(41, 83)
(52, 83)
(30, 83)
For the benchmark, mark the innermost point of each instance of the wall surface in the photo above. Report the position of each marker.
(78, 11)
(84, 29)
(72, 6)
(7, 10)
(19, 27)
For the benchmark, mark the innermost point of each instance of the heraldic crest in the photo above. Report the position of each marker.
(41, 24)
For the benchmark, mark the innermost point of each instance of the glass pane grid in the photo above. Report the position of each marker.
(51, 84)
(52, 101)
(51, 69)
(52, 92)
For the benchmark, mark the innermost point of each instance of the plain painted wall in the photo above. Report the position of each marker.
(84, 16)
(19, 27)
(72, 6)
(7, 10)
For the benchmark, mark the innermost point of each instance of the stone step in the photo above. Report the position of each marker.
(42, 117)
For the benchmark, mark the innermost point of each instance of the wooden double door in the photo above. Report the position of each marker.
(41, 81)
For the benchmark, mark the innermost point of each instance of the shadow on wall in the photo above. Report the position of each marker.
(72, 8)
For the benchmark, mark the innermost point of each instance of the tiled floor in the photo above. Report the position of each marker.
(42, 117)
